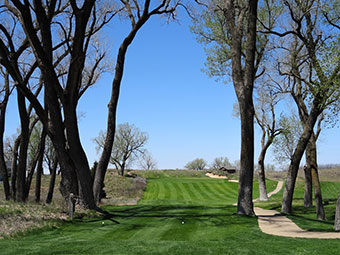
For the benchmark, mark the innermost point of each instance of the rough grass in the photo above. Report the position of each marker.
(19, 218)
(175, 216)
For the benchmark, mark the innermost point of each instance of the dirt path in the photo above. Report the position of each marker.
(273, 223)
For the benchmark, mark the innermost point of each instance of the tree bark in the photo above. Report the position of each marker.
(311, 147)
(3, 167)
(79, 157)
(308, 196)
(244, 84)
(14, 167)
(24, 140)
(262, 177)
(245, 190)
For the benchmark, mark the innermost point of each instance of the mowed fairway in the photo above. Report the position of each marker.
(175, 216)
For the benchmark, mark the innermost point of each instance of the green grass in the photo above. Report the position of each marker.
(154, 226)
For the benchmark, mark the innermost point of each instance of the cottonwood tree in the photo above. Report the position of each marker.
(138, 12)
(306, 22)
(265, 117)
(266, 99)
(331, 11)
(285, 144)
(196, 164)
(18, 51)
(230, 29)
(220, 162)
(75, 23)
(147, 162)
(128, 145)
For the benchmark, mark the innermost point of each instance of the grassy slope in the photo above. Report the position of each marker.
(154, 226)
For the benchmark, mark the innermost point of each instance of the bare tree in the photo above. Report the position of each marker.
(127, 147)
(266, 118)
(147, 162)
(220, 162)
(75, 24)
(138, 12)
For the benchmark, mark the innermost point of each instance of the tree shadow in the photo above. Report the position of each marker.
(212, 215)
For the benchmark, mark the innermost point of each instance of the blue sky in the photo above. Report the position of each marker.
(164, 93)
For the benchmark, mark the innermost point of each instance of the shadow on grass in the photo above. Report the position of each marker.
(218, 214)
(171, 211)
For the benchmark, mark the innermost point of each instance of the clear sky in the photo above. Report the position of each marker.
(164, 93)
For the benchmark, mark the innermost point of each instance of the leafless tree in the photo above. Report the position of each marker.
(138, 12)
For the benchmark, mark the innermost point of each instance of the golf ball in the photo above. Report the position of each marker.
(182, 222)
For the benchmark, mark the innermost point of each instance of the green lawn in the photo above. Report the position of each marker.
(177, 215)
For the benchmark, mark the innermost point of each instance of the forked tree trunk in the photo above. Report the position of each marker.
(311, 148)
(287, 200)
(308, 196)
(56, 132)
(79, 157)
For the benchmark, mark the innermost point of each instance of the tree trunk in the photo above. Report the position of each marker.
(104, 160)
(41, 151)
(296, 159)
(30, 175)
(3, 167)
(24, 140)
(337, 215)
(79, 157)
(122, 169)
(56, 132)
(245, 190)
(311, 147)
(244, 84)
(262, 177)
(308, 201)
(52, 181)
(4, 173)
(14, 167)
